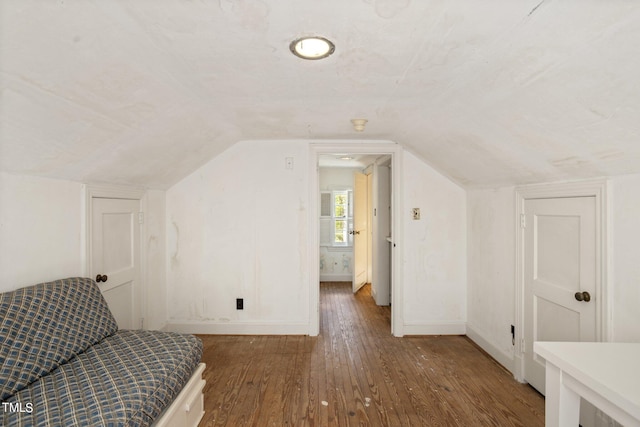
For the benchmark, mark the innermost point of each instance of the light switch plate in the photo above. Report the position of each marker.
(288, 163)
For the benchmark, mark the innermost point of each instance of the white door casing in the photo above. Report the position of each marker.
(559, 276)
(360, 230)
(599, 190)
(370, 176)
(114, 245)
(317, 148)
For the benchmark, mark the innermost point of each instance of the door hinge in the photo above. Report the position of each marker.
(523, 221)
(140, 217)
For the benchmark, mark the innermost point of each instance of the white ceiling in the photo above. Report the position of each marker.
(143, 92)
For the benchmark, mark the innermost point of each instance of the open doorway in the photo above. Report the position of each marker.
(353, 246)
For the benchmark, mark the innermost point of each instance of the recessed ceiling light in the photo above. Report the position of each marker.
(313, 47)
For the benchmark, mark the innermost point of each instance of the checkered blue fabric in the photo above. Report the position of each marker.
(125, 380)
(46, 325)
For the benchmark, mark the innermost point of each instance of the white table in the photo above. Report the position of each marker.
(605, 374)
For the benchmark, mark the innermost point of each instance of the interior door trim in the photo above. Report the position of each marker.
(397, 291)
(107, 192)
(598, 188)
(113, 192)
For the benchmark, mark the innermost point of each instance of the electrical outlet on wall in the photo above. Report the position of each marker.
(415, 212)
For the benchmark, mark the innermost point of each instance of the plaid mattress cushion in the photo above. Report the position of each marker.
(125, 380)
(44, 326)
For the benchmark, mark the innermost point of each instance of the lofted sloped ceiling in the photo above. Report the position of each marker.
(143, 92)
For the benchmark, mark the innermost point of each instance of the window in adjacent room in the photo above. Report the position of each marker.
(336, 218)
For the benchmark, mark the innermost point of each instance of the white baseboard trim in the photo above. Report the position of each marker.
(336, 277)
(230, 328)
(165, 327)
(518, 366)
(446, 328)
(501, 357)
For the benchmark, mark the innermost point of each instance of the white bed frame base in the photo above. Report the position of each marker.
(187, 409)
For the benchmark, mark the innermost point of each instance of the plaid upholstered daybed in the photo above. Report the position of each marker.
(63, 362)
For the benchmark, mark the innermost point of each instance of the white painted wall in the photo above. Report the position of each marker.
(435, 267)
(491, 261)
(491, 274)
(41, 230)
(336, 264)
(154, 241)
(625, 258)
(237, 228)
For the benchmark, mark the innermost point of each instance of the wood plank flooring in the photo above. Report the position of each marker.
(356, 373)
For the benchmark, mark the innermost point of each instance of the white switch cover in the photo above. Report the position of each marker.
(288, 162)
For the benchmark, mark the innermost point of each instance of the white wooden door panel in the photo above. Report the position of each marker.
(560, 260)
(115, 248)
(121, 303)
(359, 231)
(117, 236)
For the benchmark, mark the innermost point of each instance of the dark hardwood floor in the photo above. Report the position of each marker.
(356, 373)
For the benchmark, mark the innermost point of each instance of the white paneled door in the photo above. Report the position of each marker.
(360, 229)
(115, 253)
(560, 276)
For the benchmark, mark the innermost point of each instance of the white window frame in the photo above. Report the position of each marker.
(333, 219)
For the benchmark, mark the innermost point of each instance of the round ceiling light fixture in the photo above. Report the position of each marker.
(313, 47)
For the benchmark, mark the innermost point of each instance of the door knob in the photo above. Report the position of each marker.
(583, 296)
(101, 278)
